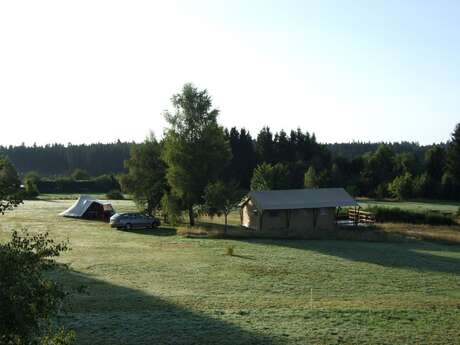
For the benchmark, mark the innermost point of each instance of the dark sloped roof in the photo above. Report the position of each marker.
(301, 198)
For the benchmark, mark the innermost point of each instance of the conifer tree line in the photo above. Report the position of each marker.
(196, 151)
(297, 160)
(63, 160)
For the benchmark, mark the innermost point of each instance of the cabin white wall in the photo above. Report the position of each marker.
(250, 218)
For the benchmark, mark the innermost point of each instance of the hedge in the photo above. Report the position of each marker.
(100, 184)
(399, 215)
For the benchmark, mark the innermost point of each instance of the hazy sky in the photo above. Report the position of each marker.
(97, 71)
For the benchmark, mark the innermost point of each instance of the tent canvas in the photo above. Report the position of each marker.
(88, 207)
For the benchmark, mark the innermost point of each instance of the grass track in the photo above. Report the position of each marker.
(154, 287)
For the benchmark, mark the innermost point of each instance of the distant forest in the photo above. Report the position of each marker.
(356, 149)
(98, 159)
(401, 170)
(62, 160)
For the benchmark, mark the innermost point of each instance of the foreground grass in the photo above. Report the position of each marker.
(154, 287)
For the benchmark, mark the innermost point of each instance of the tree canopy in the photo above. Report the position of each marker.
(453, 157)
(10, 186)
(197, 151)
(312, 179)
(269, 177)
(221, 198)
(195, 147)
(145, 178)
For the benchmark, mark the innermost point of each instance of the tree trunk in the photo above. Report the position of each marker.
(225, 227)
(149, 208)
(191, 216)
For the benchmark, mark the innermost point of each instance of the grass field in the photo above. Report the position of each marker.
(155, 287)
(67, 196)
(439, 206)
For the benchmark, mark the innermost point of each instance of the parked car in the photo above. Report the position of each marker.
(130, 221)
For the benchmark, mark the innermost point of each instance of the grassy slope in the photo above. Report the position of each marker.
(153, 287)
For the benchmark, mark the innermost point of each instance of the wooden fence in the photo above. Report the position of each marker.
(359, 216)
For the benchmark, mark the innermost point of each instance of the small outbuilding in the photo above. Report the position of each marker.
(293, 211)
(87, 207)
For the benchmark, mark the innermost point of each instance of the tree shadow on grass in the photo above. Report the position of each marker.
(246, 257)
(413, 256)
(110, 314)
(160, 231)
(407, 254)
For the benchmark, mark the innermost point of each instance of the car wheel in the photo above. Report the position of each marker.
(128, 226)
(153, 226)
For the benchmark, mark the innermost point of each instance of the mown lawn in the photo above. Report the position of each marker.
(155, 287)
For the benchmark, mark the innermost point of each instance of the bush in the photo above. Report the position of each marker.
(28, 299)
(30, 190)
(80, 175)
(398, 215)
(425, 187)
(30, 185)
(100, 184)
(114, 195)
(401, 187)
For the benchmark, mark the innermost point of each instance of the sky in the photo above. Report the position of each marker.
(98, 71)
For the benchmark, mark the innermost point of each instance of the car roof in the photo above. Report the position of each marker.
(132, 214)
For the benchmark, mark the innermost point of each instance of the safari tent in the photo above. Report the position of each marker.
(294, 211)
(87, 207)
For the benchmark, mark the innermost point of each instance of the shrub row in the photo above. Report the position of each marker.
(99, 184)
(399, 215)
(114, 195)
